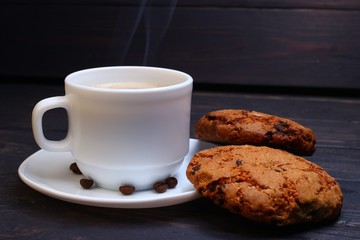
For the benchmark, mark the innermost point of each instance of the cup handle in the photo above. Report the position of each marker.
(37, 116)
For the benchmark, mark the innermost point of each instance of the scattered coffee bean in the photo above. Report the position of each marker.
(160, 187)
(73, 167)
(171, 182)
(127, 189)
(86, 183)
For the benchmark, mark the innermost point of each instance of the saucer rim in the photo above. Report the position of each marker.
(171, 197)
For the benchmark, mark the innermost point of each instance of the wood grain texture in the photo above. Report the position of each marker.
(27, 214)
(321, 4)
(256, 43)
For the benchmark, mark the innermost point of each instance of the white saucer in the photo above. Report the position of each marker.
(48, 173)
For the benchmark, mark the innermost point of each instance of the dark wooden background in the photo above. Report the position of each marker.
(305, 44)
(295, 59)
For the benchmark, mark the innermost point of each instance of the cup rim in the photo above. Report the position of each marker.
(188, 80)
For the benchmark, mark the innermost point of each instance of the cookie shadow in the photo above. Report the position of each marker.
(223, 223)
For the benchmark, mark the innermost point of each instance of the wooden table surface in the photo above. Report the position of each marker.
(28, 214)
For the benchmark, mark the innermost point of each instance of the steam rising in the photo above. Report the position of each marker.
(156, 22)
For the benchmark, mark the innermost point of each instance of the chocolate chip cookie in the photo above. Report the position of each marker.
(255, 128)
(265, 184)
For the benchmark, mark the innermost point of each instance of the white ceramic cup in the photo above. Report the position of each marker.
(123, 136)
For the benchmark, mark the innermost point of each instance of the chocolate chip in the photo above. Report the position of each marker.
(196, 168)
(127, 189)
(239, 162)
(245, 112)
(171, 182)
(86, 183)
(73, 167)
(268, 136)
(212, 187)
(160, 187)
(281, 126)
(211, 117)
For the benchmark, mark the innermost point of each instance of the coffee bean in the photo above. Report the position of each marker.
(127, 189)
(160, 187)
(73, 167)
(86, 183)
(171, 182)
